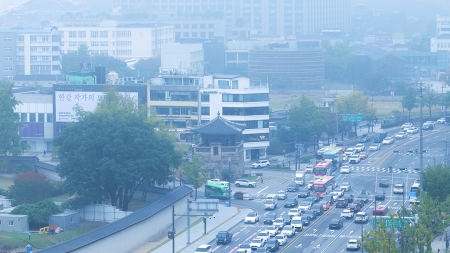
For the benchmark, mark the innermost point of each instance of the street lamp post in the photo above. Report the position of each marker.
(229, 178)
(421, 88)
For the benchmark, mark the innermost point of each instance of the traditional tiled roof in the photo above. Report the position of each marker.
(220, 125)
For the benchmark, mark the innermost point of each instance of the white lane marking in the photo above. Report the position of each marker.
(263, 189)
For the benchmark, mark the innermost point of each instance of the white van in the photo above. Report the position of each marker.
(297, 222)
(270, 203)
(299, 178)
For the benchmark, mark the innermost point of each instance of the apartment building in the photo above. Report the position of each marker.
(29, 52)
(442, 40)
(259, 17)
(122, 41)
(185, 101)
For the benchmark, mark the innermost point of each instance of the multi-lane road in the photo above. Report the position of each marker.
(363, 176)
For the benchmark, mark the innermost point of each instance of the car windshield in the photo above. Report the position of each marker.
(202, 249)
(251, 215)
(279, 237)
(222, 234)
(256, 240)
(287, 228)
(303, 190)
(278, 220)
(271, 242)
(304, 204)
(270, 216)
(334, 221)
(262, 233)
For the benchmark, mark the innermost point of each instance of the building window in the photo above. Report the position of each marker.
(32, 117)
(211, 34)
(81, 34)
(20, 58)
(7, 68)
(194, 34)
(94, 44)
(7, 58)
(202, 25)
(55, 48)
(205, 111)
(45, 58)
(105, 52)
(20, 38)
(103, 43)
(235, 84)
(72, 34)
(72, 44)
(123, 34)
(215, 150)
(186, 26)
(123, 52)
(224, 84)
(62, 44)
(56, 38)
(123, 43)
(205, 97)
(41, 117)
(8, 49)
(33, 49)
(45, 38)
(34, 67)
(33, 38)
(33, 58)
(20, 68)
(45, 48)
(23, 117)
(9, 78)
(202, 35)
(55, 58)
(186, 34)
(103, 34)
(10, 223)
(7, 39)
(56, 67)
(20, 48)
(177, 26)
(49, 117)
(211, 26)
(94, 34)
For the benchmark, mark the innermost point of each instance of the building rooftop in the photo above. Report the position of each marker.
(220, 126)
(39, 78)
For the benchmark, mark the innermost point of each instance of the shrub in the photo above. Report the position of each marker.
(38, 213)
(30, 188)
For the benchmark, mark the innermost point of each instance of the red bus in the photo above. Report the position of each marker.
(323, 167)
(323, 185)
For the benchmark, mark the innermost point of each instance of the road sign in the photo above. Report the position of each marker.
(351, 117)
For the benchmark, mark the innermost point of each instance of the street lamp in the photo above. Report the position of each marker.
(229, 178)
(421, 88)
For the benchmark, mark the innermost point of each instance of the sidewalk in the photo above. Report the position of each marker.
(225, 219)
(439, 243)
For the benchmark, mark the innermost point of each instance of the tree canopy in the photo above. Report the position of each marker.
(409, 101)
(337, 61)
(307, 120)
(112, 151)
(430, 98)
(10, 140)
(436, 181)
(195, 173)
(38, 213)
(355, 104)
(29, 188)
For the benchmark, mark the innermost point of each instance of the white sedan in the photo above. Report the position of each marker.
(440, 121)
(401, 135)
(281, 238)
(412, 130)
(375, 147)
(345, 169)
(388, 141)
(273, 230)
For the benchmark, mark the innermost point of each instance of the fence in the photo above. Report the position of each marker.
(98, 212)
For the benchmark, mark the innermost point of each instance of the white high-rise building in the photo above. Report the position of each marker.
(442, 40)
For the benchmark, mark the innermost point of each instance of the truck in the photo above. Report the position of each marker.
(361, 217)
(299, 178)
(271, 203)
(379, 137)
(223, 237)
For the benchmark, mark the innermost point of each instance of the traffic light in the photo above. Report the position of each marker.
(171, 234)
(446, 245)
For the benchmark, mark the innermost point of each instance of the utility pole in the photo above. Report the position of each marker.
(421, 88)
(296, 151)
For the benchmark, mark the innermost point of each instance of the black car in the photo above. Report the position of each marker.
(306, 220)
(287, 219)
(310, 213)
(354, 207)
(328, 198)
(272, 245)
(262, 249)
(363, 197)
(291, 202)
(292, 187)
(303, 193)
(348, 197)
(336, 224)
(313, 198)
(383, 183)
(359, 201)
(343, 203)
(380, 196)
(364, 138)
(318, 208)
(269, 218)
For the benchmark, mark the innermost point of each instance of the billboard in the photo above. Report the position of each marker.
(65, 102)
(32, 129)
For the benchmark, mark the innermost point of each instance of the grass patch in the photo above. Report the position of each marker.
(6, 182)
(41, 241)
(60, 198)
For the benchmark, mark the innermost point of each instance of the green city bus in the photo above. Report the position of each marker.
(217, 191)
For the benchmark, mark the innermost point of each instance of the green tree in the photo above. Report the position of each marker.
(409, 101)
(30, 188)
(355, 104)
(307, 120)
(113, 151)
(71, 61)
(381, 238)
(195, 173)
(112, 64)
(338, 60)
(430, 98)
(148, 68)
(38, 213)
(436, 181)
(374, 83)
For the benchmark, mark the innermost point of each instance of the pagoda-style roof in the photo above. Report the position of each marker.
(220, 126)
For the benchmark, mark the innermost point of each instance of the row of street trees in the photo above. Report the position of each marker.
(429, 96)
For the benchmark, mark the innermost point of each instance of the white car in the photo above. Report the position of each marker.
(217, 181)
(350, 151)
(309, 168)
(281, 195)
(294, 212)
(401, 135)
(310, 184)
(204, 248)
(281, 238)
(345, 169)
(412, 130)
(346, 186)
(440, 121)
(338, 191)
(265, 235)
(406, 125)
(272, 230)
(305, 205)
(431, 123)
(359, 147)
(375, 147)
(257, 243)
(388, 141)
(251, 217)
(354, 159)
(352, 244)
(288, 231)
(279, 223)
(261, 164)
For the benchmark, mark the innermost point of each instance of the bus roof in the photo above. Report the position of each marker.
(323, 164)
(216, 185)
(333, 151)
(324, 179)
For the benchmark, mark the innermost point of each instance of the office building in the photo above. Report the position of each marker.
(442, 40)
(29, 52)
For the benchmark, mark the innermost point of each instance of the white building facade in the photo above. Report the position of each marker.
(182, 58)
(442, 40)
(236, 100)
(124, 42)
